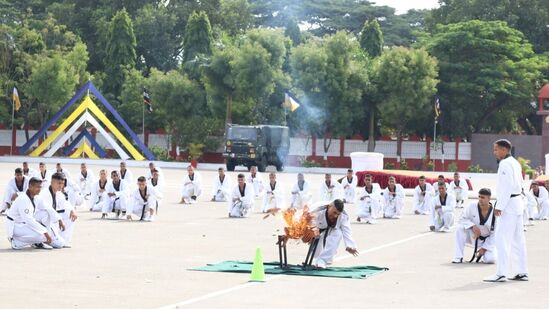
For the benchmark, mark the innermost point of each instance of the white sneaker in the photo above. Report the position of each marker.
(14, 246)
(457, 261)
(495, 278)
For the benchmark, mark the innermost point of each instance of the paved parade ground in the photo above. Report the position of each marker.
(120, 264)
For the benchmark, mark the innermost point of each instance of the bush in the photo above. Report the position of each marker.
(452, 167)
(404, 165)
(311, 163)
(475, 169)
(160, 153)
(389, 166)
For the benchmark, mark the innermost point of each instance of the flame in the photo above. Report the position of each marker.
(298, 222)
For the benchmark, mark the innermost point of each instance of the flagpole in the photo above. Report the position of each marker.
(434, 141)
(143, 109)
(12, 124)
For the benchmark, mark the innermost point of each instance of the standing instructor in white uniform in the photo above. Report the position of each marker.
(509, 234)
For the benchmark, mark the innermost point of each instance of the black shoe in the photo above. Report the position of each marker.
(520, 277)
(432, 228)
(193, 197)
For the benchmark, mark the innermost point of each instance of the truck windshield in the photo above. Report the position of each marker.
(236, 133)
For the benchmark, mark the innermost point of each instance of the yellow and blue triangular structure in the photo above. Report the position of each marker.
(138, 152)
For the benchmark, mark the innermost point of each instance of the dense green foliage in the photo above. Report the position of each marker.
(355, 67)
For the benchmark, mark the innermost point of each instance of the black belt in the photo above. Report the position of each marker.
(515, 195)
(9, 218)
(61, 211)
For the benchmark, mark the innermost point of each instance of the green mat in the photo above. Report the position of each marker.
(356, 272)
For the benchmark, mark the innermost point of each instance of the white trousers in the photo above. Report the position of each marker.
(393, 208)
(69, 227)
(221, 196)
(239, 209)
(350, 195)
(465, 236)
(424, 207)
(23, 235)
(52, 226)
(142, 209)
(189, 191)
(367, 210)
(300, 199)
(539, 212)
(114, 204)
(510, 245)
(442, 219)
(324, 254)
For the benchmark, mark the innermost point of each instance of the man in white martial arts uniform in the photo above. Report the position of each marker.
(22, 228)
(152, 168)
(301, 193)
(29, 172)
(441, 180)
(459, 189)
(99, 194)
(442, 210)
(117, 190)
(331, 224)
(509, 236)
(539, 210)
(476, 227)
(157, 183)
(17, 185)
(423, 196)
(242, 198)
(64, 171)
(86, 181)
(368, 202)
(50, 204)
(72, 191)
(126, 175)
(142, 201)
(67, 210)
(256, 180)
(393, 199)
(192, 186)
(222, 187)
(330, 190)
(44, 175)
(274, 195)
(349, 184)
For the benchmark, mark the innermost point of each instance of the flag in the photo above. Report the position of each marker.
(15, 99)
(290, 102)
(437, 108)
(147, 100)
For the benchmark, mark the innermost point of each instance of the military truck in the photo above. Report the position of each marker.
(261, 145)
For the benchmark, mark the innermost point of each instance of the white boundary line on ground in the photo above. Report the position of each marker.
(273, 277)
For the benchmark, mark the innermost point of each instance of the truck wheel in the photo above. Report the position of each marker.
(262, 165)
(230, 166)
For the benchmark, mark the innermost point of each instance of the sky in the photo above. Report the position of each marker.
(402, 6)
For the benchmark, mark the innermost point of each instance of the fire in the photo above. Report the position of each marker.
(299, 223)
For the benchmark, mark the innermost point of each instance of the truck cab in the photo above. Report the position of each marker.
(260, 145)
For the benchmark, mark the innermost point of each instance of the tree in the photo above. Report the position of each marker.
(292, 31)
(371, 38)
(236, 16)
(158, 42)
(407, 80)
(332, 77)
(488, 76)
(120, 51)
(531, 17)
(198, 36)
(257, 69)
(371, 41)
